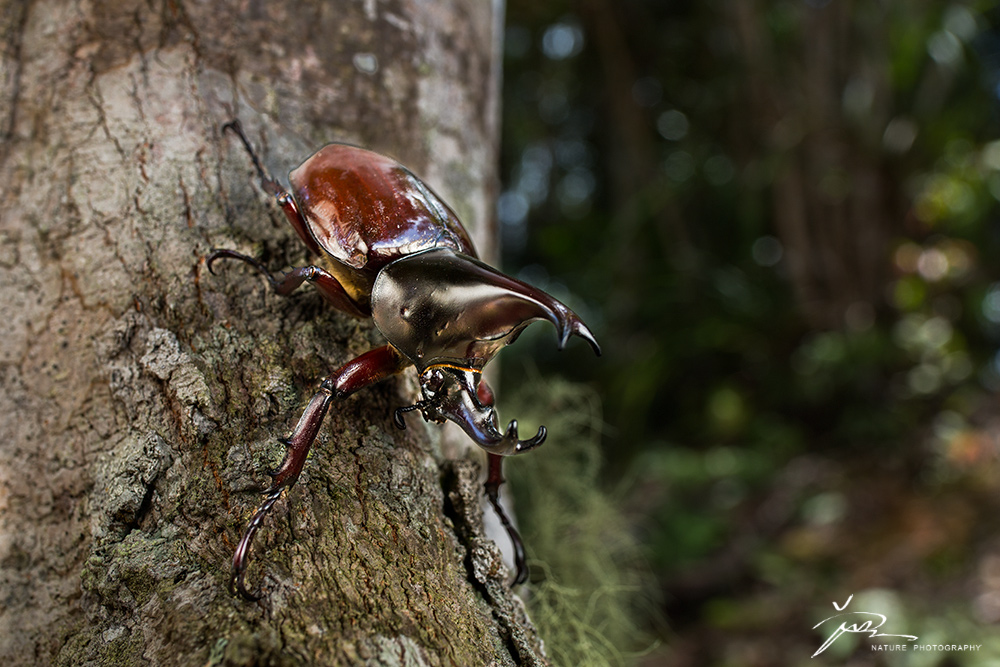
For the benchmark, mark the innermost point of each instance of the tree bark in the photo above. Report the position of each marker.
(142, 397)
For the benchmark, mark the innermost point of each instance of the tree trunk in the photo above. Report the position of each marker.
(822, 113)
(141, 397)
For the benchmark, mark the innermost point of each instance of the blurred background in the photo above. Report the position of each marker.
(781, 220)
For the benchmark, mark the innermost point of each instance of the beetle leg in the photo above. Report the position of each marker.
(324, 282)
(397, 416)
(371, 367)
(494, 479)
(273, 188)
(284, 477)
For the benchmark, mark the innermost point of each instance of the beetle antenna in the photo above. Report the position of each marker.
(397, 416)
(241, 558)
(266, 182)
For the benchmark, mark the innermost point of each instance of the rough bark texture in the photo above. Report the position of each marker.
(141, 397)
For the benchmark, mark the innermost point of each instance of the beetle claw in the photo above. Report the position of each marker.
(237, 587)
(397, 415)
(241, 557)
(209, 261)
(220, 253)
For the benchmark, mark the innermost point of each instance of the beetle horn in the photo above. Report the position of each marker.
(461, 309)
(481, 425)
(450, 393)
(523, 445)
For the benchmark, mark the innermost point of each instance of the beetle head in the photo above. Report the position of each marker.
(450, 392)
(449, 315)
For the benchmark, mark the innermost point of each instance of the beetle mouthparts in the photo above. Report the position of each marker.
(397, 415)
(524, 445)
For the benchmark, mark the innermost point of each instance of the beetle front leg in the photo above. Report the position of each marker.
(494, 478)
(371, 367)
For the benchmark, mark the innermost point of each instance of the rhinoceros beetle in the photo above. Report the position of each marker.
(393, 251)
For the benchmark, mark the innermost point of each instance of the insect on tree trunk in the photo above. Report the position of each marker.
(141, 397)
